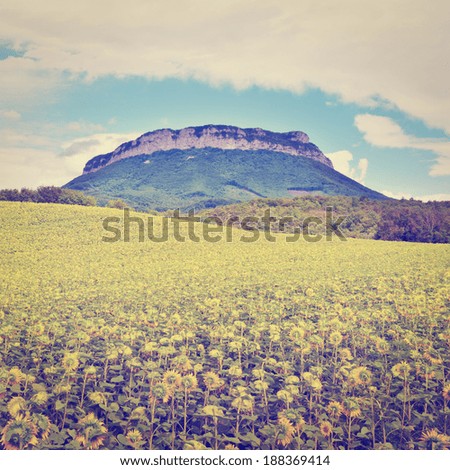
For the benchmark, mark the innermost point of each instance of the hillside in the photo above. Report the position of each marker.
(144, 345)
(199, 178)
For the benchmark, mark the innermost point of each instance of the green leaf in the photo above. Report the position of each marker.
(123, 440)
(118, 379)
(59, 405)
(114, 407)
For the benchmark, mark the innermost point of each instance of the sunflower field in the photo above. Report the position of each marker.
(227, 345)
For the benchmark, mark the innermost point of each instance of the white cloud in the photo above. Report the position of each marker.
(10, 115)
(24, 164)
(366, 52)
(77, 152)
(382, 131)
(343, 162)
(425, 198)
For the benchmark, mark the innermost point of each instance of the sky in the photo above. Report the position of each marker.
(367, 81)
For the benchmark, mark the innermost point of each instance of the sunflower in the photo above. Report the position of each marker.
(235, 371)
(346, 354)
(138, 413)
(189, 382)
(70, 361)
(335, 338)
(446, 392)
(292, 380)
(285, 431)
(40, 398)
(297, 334)
(183, 363)
(261, 385)
(326, 428)
(434, 440)
(258, 373)
(382, 346)
(359, 376)
(335, 409)
(285, 396)
(352, 408)
(294, 416)
(243, 401)
(231, 447)
(172, 379)
(16, 406)
(402, 369)
(135, 439)
(97, 398)
(424, 370)
(91, 432)
(19, 433)
(160, 391)
(43, 425)
(213, 410)
(15, 376)
(212, 381)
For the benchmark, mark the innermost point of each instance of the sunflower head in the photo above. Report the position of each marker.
(294, 416)
(382, 346)
(335, 409)
(138, 413)
(98, 398)
(401, 370)
(352, 408)
(91, 432)
(326, 428)
(160, 391)
(19, 433)
(235, 371)
(335, 338)
(346, 354)
(285, 396)
(213, 410)
(43, 425)
(285, 431)
(243, 401)
(70, 361)
(15, 376)
(172, 379)
(446, 392)
(432, 439)
(359, 376)
(17, 406)
(135, 439)
(189, 382)
(40, 398)
(212, 381)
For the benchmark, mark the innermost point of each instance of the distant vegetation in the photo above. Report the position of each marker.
(404, 220)
(48, 194)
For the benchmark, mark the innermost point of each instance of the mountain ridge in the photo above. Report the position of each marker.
(215, 136)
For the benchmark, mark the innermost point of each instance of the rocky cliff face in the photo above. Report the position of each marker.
(222, 137)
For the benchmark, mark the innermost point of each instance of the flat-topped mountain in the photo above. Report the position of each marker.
(201, 167)
(220, 137)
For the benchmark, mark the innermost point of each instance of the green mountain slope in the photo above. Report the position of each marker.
(199, 178)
